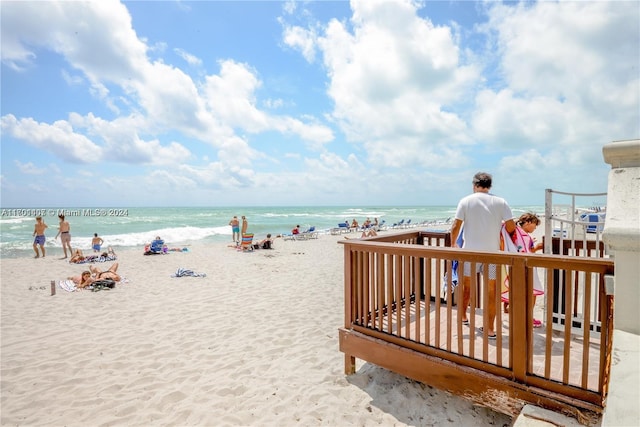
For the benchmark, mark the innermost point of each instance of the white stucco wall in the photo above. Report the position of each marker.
(622, 235)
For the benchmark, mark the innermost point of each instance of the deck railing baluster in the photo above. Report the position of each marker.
(393, 290)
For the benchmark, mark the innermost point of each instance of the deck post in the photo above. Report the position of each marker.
(521, 319)
(349, 360)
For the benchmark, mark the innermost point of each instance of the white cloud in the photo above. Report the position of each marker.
(29, 168)
(406, 99)
(189, 58)
(58, 138)
(231, 96)
(302, 40)
(393, 78)
(98, 40)
(569, 73)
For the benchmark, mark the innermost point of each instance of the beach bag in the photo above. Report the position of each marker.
(101, 284)
(454, 280)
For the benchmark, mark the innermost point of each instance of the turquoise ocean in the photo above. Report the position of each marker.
(129, 228)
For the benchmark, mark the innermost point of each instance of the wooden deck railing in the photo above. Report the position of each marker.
(396, 317)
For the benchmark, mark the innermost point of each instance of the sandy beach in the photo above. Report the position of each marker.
(253, 343)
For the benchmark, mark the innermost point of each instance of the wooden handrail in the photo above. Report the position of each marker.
(393, 293)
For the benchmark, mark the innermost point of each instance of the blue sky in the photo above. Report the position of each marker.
(265, 103)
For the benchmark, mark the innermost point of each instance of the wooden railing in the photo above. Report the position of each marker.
(397, 316)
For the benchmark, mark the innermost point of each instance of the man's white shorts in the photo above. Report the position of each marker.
(480, 269)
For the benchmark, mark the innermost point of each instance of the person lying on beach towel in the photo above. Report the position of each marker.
(106, 274)
(182, 272)
(88, 278)
(86, 282)
(79, 258)
(79, 282)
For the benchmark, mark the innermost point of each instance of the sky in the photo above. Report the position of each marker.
(326, 103)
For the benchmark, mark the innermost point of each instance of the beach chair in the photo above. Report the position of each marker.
(310, 233)
(398, 224)
(344, 227)
(155, 248)
(246, 244)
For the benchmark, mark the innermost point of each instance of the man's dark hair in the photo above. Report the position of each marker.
(482, 180)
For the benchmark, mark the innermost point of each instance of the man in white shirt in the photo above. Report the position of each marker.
(482, 214)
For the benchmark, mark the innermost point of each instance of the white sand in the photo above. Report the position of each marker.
(254, 343)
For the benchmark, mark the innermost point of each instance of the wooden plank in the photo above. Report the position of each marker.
(367, 283)
(480, 387)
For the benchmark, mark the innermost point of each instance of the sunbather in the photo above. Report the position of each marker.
(366, 233)
(369, 233)
(77, 256)
(83, 280)
(266, 243)
(107, 274)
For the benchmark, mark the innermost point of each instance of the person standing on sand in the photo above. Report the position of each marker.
(482, 214)
(64, 231)
(40, 238)
(245, 225)
(235, 229)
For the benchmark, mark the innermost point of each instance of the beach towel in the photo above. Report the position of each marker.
(454, 271)
(519, 242)
(95, 258)
(67, 285)
(182, 272)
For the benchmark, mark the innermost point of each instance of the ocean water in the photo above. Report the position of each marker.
(181, 226)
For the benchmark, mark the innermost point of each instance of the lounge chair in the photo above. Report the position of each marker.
(247, 242)
(310, 233)
(343, 227)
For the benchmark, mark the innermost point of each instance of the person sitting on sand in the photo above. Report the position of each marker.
(366, 233)
(107, 274)
(156, 247)
(296, 230)
(266, 243)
